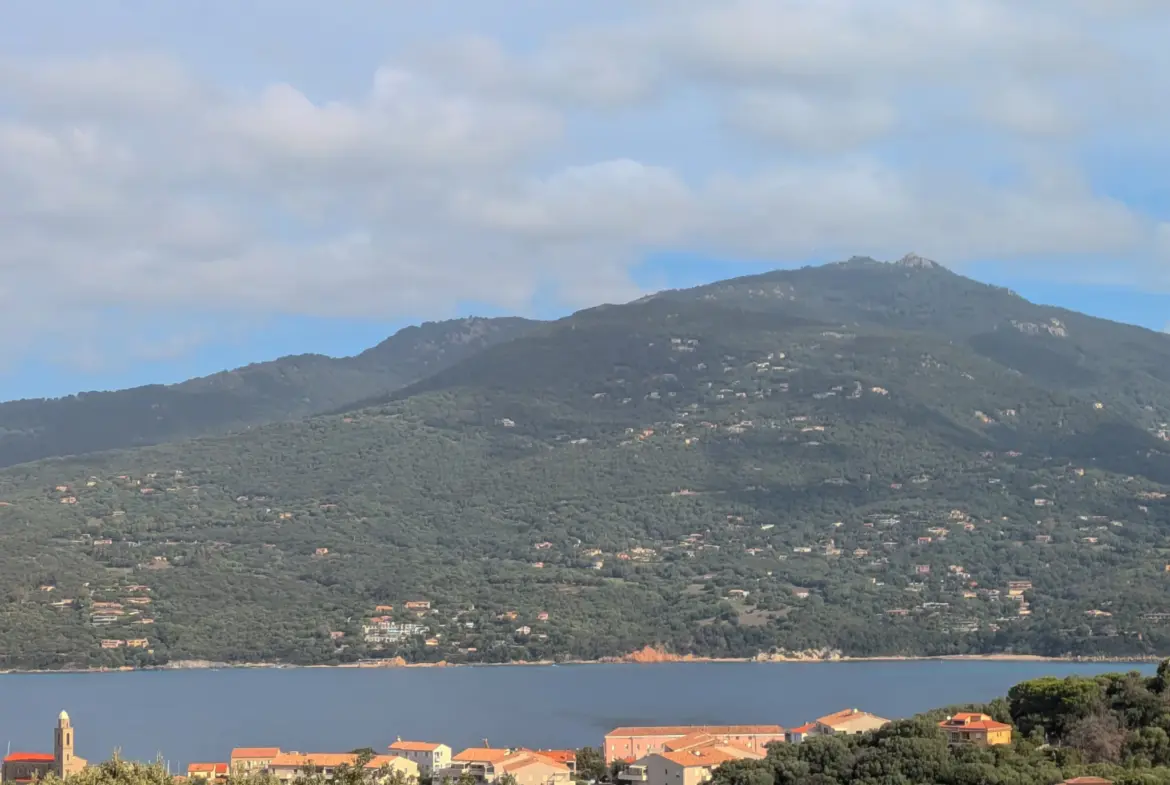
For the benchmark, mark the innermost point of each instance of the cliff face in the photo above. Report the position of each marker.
(656, 653)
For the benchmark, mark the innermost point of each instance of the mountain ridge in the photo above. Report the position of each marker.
(853, 457)
(285, 388)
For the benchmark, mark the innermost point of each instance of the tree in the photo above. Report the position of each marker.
(591, 764)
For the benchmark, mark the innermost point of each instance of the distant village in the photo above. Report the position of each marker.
(650, 755)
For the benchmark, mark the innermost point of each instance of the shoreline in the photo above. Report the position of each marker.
(188, 665)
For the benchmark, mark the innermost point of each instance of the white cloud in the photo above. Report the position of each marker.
(487, 169)
(815, 122)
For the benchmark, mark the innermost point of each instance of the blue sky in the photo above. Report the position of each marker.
(189, 188)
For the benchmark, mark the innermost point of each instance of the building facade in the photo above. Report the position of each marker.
(427, 755)
(248, 760)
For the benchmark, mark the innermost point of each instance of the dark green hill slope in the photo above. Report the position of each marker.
(711, 470)
(288, 388)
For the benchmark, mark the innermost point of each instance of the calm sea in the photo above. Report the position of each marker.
(200, 715)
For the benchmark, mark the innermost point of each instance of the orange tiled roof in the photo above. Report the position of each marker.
(704, 756)
(208, 768)
(484, 754)
(844, 716)
(686, 730)
(255, 752)
(806, 728)
(524, 758)
(415, 746)
(560, 756)
(973, 721)
(688, 741)
(28, 757)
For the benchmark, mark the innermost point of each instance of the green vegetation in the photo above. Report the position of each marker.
(288, 388)
(858, 458)
(1112, 726)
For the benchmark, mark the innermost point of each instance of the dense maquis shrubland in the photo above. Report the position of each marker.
(284, 389)
(870, 458)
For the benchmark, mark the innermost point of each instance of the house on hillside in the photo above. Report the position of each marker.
(977, 729)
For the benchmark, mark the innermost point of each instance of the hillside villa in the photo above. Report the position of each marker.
(977, 729)
(629, 743)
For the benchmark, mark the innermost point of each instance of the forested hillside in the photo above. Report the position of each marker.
(867, 458)
(288, 388)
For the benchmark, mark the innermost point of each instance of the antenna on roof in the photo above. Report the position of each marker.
(486, 746)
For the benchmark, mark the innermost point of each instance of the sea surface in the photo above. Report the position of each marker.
(199, 715)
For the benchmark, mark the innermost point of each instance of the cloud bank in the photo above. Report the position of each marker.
(481, 167)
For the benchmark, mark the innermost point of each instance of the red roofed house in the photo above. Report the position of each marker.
(28, 766)
(488, 765)
(688, 761)
(798, 734)
(975, 728)
(631, 743)
(208, 772)
(245, 760)
(430, 756)
(567, 757)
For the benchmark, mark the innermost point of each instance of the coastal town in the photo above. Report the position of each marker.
(631, 755)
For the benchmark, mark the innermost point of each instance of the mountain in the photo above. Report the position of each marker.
(870, 458)
(287, 388)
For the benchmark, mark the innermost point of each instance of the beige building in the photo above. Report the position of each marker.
(288, 765)
(688, 761)
(427, 755)
(849, 722)
(26, 766)
(489, 764)
(629, 743)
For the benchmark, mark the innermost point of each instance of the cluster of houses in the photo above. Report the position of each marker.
(660, 755)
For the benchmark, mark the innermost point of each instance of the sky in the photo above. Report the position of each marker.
(187, 187)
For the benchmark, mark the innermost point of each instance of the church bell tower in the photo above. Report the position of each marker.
(63, 745)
